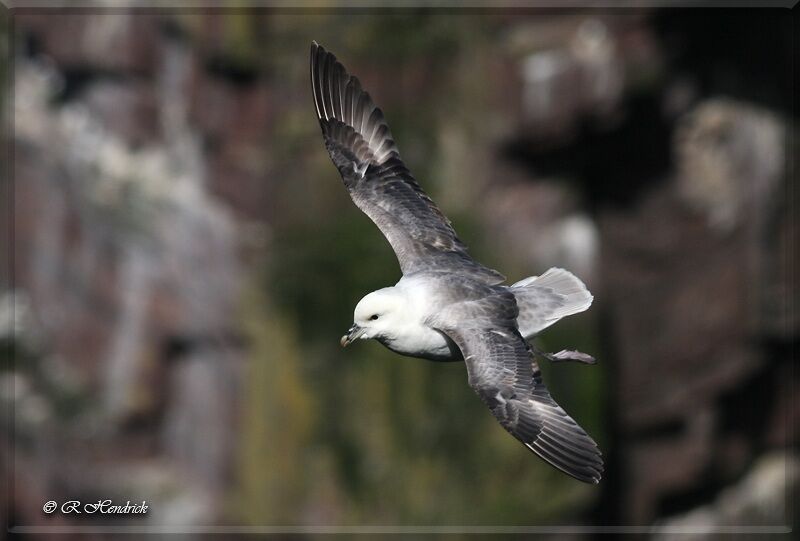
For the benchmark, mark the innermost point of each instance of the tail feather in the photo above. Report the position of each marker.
(545, 299)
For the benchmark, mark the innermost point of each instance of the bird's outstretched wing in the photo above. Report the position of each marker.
(362, 148)
(503, 372)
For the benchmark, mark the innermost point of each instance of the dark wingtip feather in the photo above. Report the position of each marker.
(339, 96)
(584, 465)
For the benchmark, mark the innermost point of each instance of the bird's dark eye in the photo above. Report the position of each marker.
(373, 317)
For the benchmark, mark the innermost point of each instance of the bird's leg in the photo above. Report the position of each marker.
(572, 355)
(566, 355)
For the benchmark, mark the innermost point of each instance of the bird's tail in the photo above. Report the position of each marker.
(543, 300)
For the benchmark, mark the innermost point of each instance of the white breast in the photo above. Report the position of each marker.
(414, 338)
(423, 342)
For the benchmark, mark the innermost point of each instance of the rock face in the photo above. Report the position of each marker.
(113, 204)
(694, 275)
(691, 275)
(759, 500)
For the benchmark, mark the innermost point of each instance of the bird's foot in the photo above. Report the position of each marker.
(567, 355)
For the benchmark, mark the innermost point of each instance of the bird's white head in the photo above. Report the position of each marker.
(376, 316)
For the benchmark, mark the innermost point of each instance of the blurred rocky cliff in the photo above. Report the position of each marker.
(184, 260)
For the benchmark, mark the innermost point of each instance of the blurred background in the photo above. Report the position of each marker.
(184, 260)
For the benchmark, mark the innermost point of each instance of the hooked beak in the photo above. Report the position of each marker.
(353, 334)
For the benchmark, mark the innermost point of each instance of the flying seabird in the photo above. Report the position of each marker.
(447, 306)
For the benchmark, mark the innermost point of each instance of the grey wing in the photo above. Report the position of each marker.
(363, 150)
(505, 376)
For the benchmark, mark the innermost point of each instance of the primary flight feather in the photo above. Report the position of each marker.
(447, 306)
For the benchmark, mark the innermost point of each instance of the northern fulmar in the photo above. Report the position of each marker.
(447, 306)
